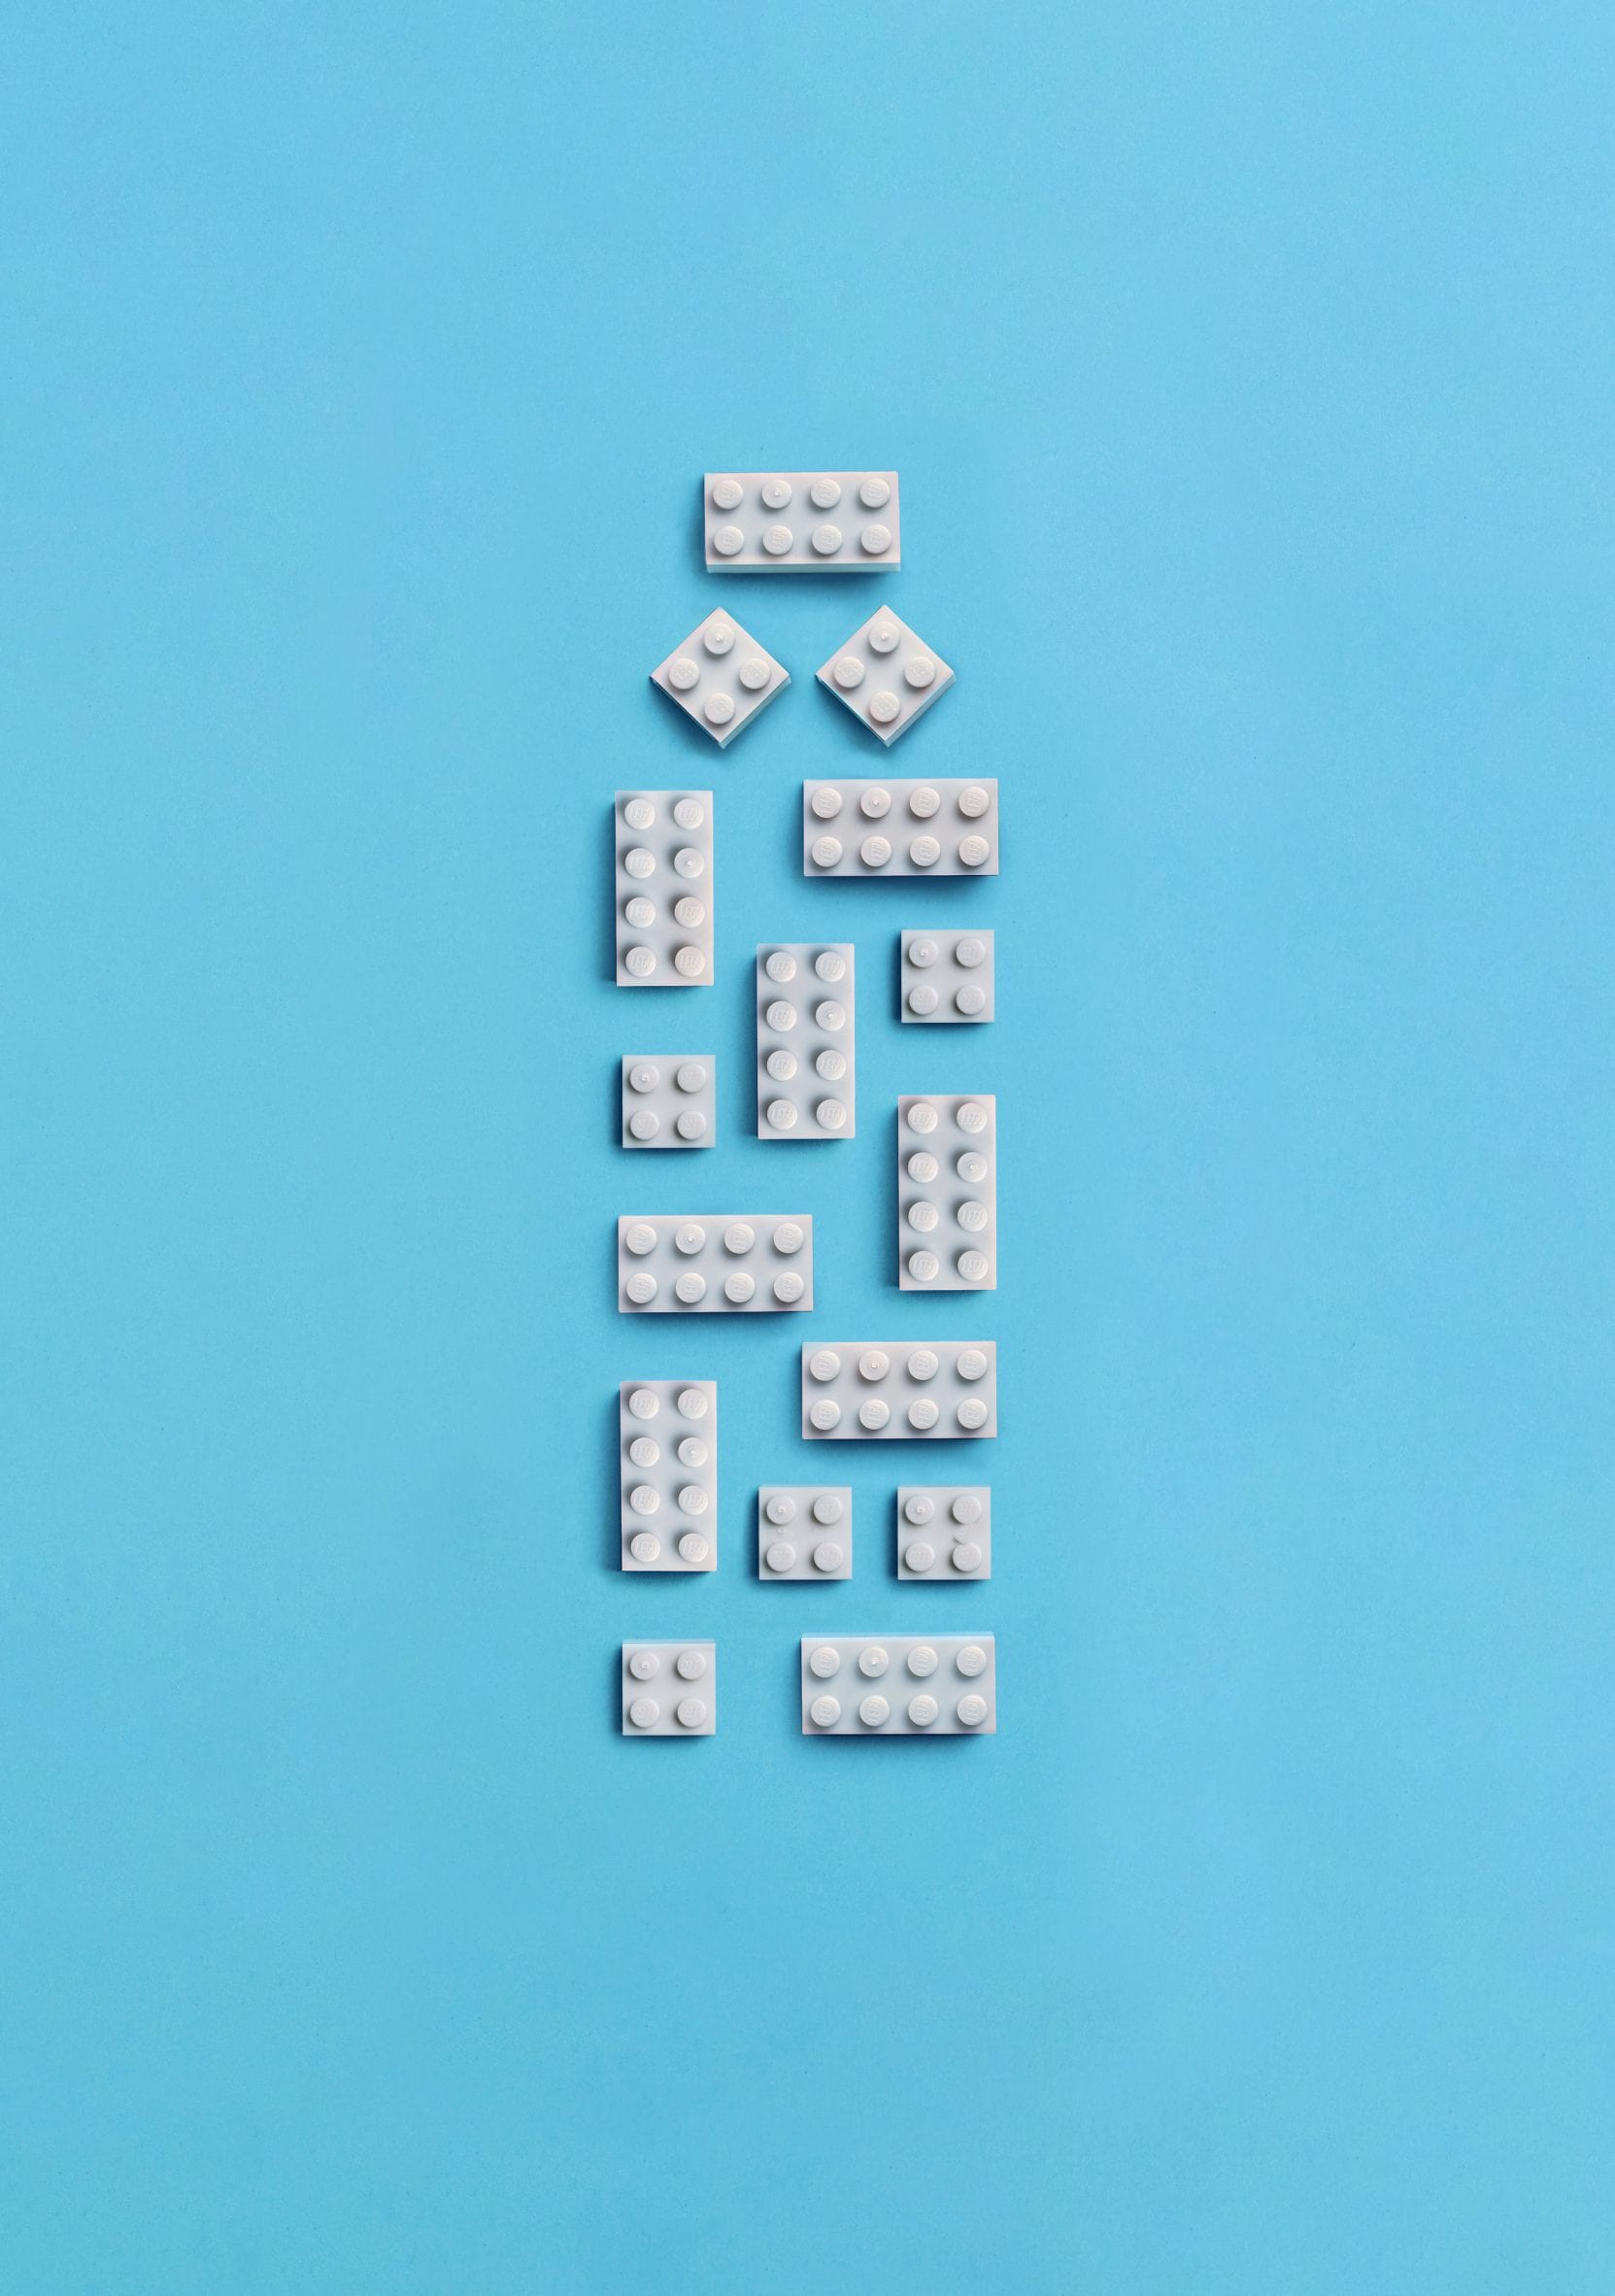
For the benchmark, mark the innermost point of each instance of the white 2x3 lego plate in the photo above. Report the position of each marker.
(801, 522)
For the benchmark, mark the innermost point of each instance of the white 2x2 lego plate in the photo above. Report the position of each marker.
(669, 1689)
(945, 1532)
(670, 1101)
(947, 977)
(722, 678)
(885, 675)
(804, 1531)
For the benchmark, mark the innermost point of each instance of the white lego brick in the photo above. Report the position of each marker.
(804, 1531)
(899, 1686)
(721, 677)
(947, 977)
(945, 1532)
(806, 1078)
(899, 828)
(724, 1263)
(801, 522)
(663, 845)
(885, 675)
(893, 1391)
(669, 1689)
(947, 1191)
(667, 1468)
(670, 1100)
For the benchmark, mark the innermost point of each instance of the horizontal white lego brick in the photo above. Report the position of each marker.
(945, 1532)
(715, 1262)
(669, 1689)
(721, 677)
(801, 522)
(885, 675)
(899, 828)
(663, 892)
(899, 1686)
(947, 1191)
(897, 1390)
(804, 1531)
(670, 1100)
(806, 1075)
(946, 977)
(668, 1470)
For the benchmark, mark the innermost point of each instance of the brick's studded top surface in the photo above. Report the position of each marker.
(806, 1083)
(947, 977)
(804, 1531)
(945, 1532)
(664, 889)
(947, 1191)
(737, 1262)
(669, 1689)
(885, 675)
(898, 1685)
(893, 1390)
(669, 1101)
(899, 828)
(801, 522)
(667, 1473)
(721, 677)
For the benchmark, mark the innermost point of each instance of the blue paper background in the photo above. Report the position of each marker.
(1248, 372)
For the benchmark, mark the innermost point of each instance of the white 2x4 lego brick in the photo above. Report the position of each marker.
(946, 1193)
(804, 1531)
(806, 1083)
(945, 1532)
(670, 1101)
(663, 845)
(722, 678)
(669, 1689)
(947, 976)
(667, 1471)
(743, 1264)
(893, 1390)
(899, 828)
(801, 522)
(885, 675)
(899, 1686)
